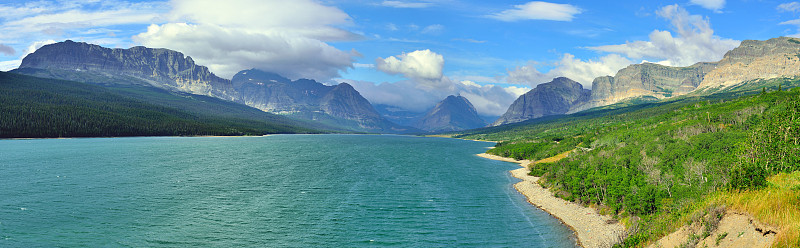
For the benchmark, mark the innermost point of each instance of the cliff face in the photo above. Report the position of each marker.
(646, 79)
(454, 113)
(557, 97)
(160, 67)
(172, 70)
(777, 57)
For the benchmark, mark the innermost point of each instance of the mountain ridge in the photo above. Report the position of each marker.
(172, 70)
(776, 57)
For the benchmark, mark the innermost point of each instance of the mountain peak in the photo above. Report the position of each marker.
(556, 97)
(454, 113)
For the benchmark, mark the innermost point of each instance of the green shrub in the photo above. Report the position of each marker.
(748, 176)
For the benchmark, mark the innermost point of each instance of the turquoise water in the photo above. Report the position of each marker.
(274, 191)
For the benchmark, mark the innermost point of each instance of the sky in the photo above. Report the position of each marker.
(409, 54)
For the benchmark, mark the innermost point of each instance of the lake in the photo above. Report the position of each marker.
(272, 191)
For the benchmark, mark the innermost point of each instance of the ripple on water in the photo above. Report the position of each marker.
(281, 190)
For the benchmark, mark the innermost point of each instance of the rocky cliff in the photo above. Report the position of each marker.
(777, 57)
(159, 67)
(560, 96)
(172, 70)
(454, 113)
(646, 79)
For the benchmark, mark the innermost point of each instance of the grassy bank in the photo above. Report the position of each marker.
(654, 166)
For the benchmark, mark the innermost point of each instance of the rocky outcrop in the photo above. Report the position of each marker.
(560, 96)
(646, 79)
(777, 57)
(454, 113)
(160, 67)
(163, 68)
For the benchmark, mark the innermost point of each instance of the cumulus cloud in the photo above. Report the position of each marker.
(36, 45)
(285, 37)
(426, 85)
(489, 100)
(715, 5)
(582, 71)
(537, 10)
(695, 41)
(406, 4)
(420, 64)
(7, 50)
(423, 67)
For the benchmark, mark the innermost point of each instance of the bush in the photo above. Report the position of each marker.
(748, 176)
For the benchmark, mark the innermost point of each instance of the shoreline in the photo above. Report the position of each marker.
(590, 228)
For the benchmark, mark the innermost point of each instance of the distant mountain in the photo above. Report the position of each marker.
(338, 105)
(399, 115)
(454, 113)
(162, 68)
(744, 65)
(557, 97)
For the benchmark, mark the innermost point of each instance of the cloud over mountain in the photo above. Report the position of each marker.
(695, 41)
(420, 64)
(582, 71)
(286, 37)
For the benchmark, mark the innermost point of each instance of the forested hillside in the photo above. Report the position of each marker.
(33, 107)
(651, 165)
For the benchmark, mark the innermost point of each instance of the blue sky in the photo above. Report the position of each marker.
(409, 54)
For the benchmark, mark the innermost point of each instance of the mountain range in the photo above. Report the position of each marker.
(777, 57)
(339, 105)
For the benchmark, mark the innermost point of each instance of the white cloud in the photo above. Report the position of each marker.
(46, 18)
(426, 85)
(789, 7)
(715, 5)
(227, 51)
(490, 100)
(579, 70)
(360, 65)
(433, 29)
(695, 41)
(35, 46)
(537, 10)
(420, 64)
(13, 64)
(405, 4)
(10, 64)
(285, 37)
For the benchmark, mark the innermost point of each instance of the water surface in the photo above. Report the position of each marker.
(274, 191)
